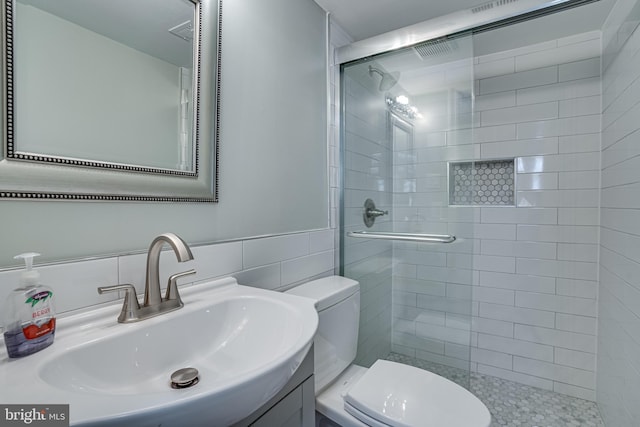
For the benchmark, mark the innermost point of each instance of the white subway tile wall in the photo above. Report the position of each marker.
(337, 38)
(276, 263)
(527, 274)
(618, 374)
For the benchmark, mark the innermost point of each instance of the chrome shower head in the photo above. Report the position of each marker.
(388, 81)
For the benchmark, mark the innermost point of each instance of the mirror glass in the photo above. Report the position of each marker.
(105, 81)
(110, 100)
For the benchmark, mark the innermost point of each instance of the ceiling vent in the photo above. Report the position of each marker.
(438, 47)
(504, 2)
(489, 6)
(184, 31)
(482, 8)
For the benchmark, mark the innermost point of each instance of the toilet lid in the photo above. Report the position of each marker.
(393, 394)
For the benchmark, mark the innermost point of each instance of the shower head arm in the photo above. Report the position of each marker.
(388, 79)
(375, 70)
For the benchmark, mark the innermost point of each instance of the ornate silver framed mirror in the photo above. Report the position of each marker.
(112, 100)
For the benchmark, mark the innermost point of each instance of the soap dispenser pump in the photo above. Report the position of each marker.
(29, 316)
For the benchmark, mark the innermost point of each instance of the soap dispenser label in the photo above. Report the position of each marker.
(39, 297)
(42, 322)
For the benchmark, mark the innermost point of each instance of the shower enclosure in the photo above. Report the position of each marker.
(470, 196)
(406, 116)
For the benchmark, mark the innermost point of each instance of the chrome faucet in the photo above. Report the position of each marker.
(154, 304)
(152, 284)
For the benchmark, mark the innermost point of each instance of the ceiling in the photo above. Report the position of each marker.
(362, 19)
(132, 23)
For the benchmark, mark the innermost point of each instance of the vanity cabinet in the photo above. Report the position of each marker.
(293, 406)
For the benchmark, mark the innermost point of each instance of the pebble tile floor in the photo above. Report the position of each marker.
(514, 404)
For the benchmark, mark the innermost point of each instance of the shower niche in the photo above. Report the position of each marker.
(485, 182)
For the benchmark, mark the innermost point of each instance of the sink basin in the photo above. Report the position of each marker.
(245, 342)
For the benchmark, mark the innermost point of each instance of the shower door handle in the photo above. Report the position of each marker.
(405, 237)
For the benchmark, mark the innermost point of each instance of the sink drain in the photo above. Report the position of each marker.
(184, 378)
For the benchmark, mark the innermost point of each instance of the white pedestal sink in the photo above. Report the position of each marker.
(245, 342)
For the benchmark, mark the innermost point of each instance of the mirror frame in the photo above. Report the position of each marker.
(32, 176)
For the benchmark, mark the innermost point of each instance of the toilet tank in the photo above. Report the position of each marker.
(336, 341)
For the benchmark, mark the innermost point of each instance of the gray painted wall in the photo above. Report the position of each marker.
(273, 172)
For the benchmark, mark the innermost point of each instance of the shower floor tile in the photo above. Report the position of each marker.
(514, 404)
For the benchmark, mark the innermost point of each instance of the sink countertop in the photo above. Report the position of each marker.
(246, 342)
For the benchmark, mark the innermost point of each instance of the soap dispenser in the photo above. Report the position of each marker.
(29, 315)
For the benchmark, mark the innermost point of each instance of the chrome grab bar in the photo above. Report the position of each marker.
(406, 237)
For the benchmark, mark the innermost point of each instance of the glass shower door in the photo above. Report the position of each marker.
(407, 117)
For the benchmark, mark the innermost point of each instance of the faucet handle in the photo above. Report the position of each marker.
(172, 285)
(130, 306)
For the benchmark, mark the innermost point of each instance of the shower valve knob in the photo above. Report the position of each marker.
(376, 213)
(370, 213)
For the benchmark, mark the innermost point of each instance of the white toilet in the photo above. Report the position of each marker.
(388, 393)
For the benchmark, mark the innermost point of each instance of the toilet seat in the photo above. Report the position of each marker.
(398, 395)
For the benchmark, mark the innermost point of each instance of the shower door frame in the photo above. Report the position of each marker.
(387, 43)
(452, 25)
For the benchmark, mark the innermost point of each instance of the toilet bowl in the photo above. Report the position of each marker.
(387, 393)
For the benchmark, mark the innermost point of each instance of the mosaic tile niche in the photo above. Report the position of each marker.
(486, 182)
